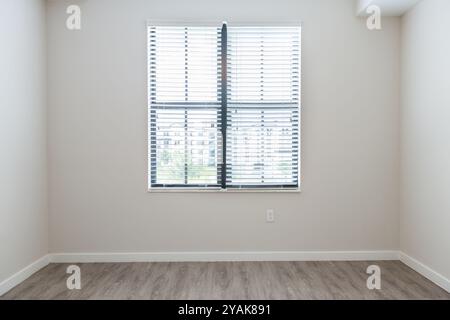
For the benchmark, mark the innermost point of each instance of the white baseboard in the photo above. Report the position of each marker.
(425, 271)
(224, 256)
(23, 274)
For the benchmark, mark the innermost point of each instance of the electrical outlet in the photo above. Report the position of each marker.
(270, 216)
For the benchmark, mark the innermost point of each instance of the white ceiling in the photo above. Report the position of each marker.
(388, 7)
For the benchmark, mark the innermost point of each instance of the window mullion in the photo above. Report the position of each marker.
(224, 79)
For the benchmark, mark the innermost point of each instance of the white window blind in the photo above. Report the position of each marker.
(185, 108)
(263, 107)
(224, 107)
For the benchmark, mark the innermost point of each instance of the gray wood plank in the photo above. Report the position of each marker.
(228, 280)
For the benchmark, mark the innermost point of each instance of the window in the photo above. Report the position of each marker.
(224, 107)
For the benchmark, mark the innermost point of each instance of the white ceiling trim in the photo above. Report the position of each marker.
(389, 8)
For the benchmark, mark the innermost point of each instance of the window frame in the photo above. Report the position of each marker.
(221, 186)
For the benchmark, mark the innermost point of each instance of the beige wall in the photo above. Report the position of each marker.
(425, 219)
(23, 170)
(97, 130)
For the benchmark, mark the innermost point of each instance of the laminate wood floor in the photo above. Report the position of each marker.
(228, 280)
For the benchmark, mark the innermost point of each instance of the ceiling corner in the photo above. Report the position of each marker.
(389, 8)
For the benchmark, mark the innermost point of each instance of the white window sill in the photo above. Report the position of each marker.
(187, 190)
